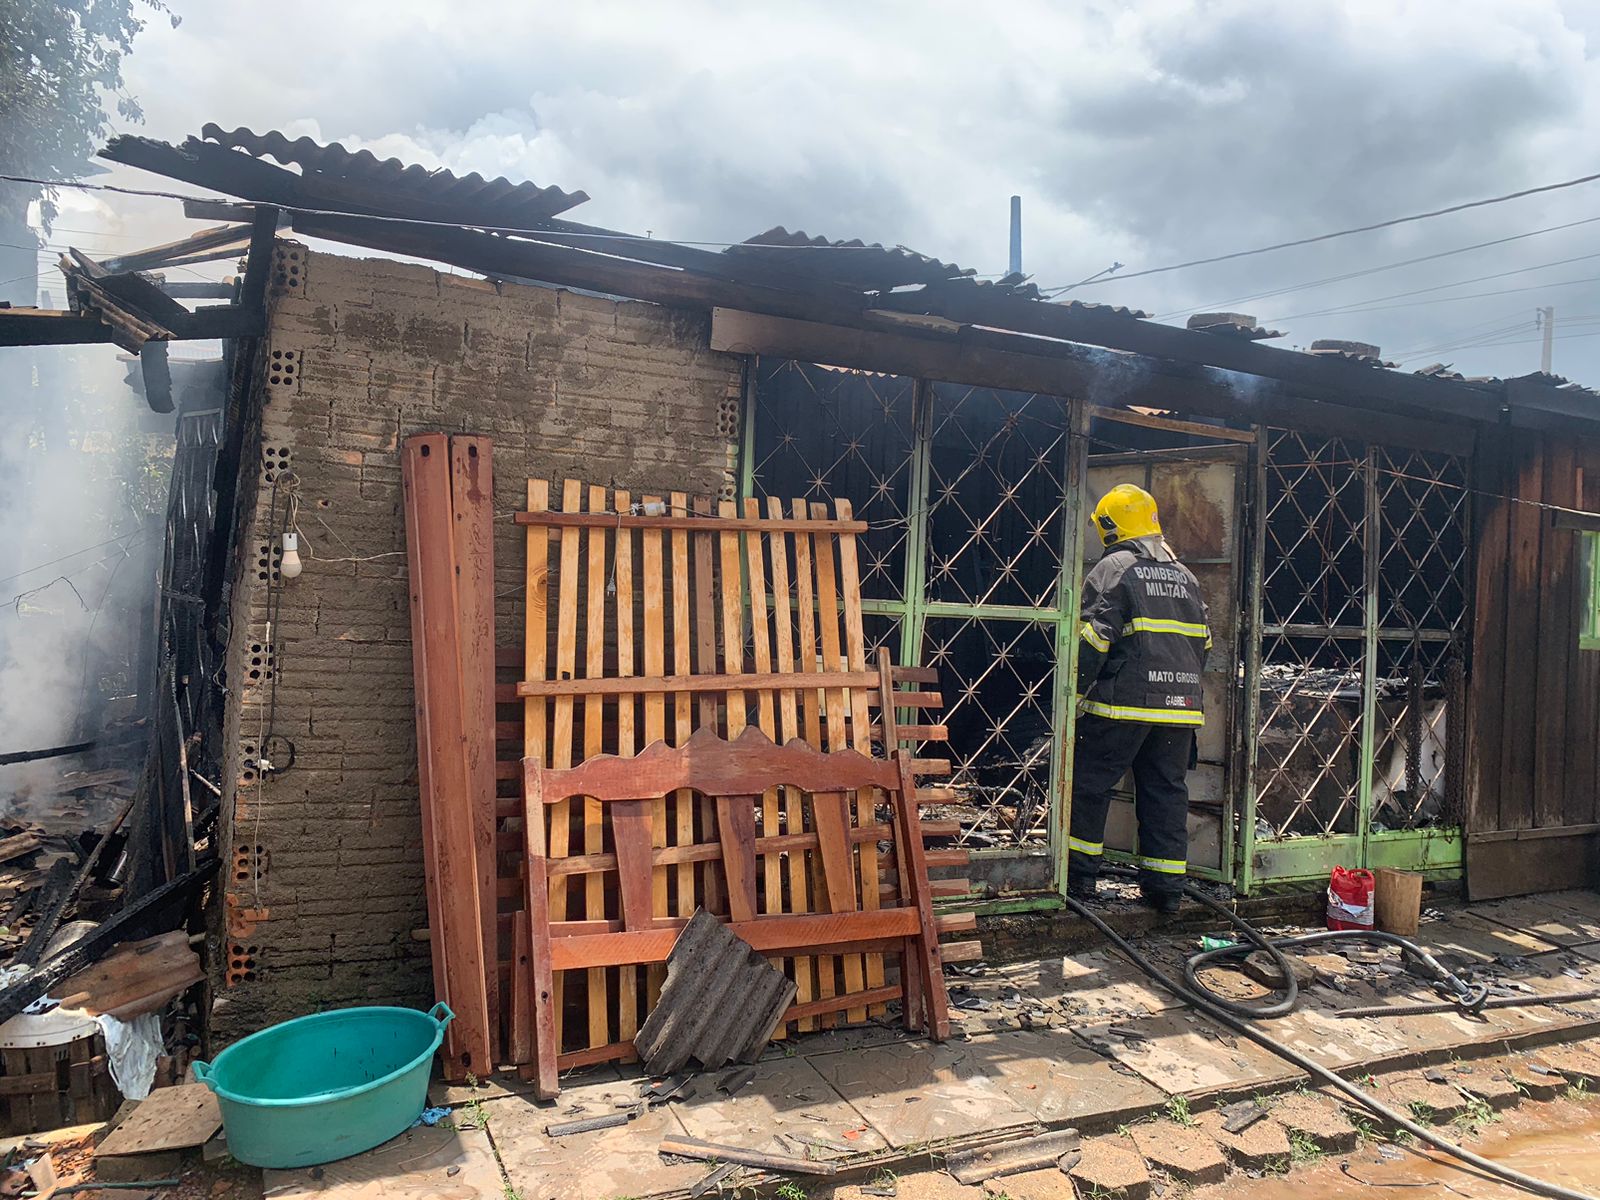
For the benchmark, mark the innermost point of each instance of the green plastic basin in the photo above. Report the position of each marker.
(327, 1086)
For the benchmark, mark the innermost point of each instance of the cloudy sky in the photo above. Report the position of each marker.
(1146, 132)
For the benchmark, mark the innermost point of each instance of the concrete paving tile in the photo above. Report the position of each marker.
(1335, 1041)
(1487, 1079)
(1579, 900)
(587, 1166)
(919, 1093)
(1111, 1167)
(787, 1097)
(421, 1164)
(1559, 925)
(1428, 1103)
(1061, 1081)
(1261, 1146)
(1317, 1118)
(1047, 1183)
(1102, 986)
(1476, 938)
(834, 1041)
(1185, 1152)
(1182, 1053)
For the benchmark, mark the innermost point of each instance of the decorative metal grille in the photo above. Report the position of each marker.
(825, 435)
(1414, 782)
(997, 471)
(1314, 569)
(1347, 526)
(998, 683)
(1308, 768)
(965, 490)
(1422, 547)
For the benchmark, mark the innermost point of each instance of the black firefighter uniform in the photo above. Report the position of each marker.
(1144, 641)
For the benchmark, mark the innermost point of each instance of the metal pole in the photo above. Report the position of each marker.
(1016, 237)
(1547, 318)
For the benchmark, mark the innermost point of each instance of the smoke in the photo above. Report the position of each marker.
(1115, 376)
(82, 498)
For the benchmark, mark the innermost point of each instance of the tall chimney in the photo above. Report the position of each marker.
(1016, 236)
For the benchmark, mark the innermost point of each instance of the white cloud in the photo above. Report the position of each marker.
(1146, 132)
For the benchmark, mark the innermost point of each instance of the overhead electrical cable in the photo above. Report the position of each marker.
(1339, 233)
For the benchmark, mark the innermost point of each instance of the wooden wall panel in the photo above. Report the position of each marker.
(1533, 820)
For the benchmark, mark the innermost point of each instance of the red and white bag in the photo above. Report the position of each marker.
(1350, 899)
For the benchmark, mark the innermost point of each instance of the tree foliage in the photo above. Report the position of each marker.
(60, 62)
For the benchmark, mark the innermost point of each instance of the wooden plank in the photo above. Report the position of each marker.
(803, 970)
(731, 592)
(170, 1118)
(1520, 699)
(766, 710)
(1583, 753)
(838, 862)
(783, 843)
(736, 827)
(855, 641)
(472, 504)
(594, 667)
(537, 894)
(659, 685)
(704, 607)
(521, 1001)
(767, 935)
(723, 522)
(682, 713)
(627, 709)
(441, 742)
(561, 741)
(811, 726)
(1557, 639)
(961, 952)
(630, 831)
(1123, 416)
(918, 675)
(653, 565)
(1491, 550)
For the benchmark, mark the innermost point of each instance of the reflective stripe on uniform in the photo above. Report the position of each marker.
(1162, 625)
(1091, 635)
(1164, 866)
(1083, 847)
(1155, 716)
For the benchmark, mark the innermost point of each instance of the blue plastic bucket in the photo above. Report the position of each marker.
(327, 1086)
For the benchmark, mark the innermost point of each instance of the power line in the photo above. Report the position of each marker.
(1325, 237)
(65, 557)
(1389, 266)
(1359, 304)
(1475, 295)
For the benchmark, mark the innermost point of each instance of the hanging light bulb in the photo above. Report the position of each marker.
(291, 566)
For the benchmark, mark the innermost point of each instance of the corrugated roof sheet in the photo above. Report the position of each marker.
(720, 1002)
(869, 266)
(495, 201)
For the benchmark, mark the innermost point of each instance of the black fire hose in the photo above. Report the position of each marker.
(1206, 1003)
(1469, 998)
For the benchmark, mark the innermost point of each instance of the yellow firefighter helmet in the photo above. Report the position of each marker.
(1124, 513)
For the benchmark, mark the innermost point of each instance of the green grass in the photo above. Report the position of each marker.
(1478, 1116)
(1302, 1147)
(1365, 1129)
(789, 1190)
(1422, 1111)
(1178, 1111)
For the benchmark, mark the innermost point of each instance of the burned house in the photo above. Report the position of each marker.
(1400, 568)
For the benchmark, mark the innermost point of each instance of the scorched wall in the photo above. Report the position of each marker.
(325, 883)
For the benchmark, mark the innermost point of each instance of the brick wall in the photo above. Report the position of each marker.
(326, 880)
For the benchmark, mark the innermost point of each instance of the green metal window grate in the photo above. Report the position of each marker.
(1360, 665)
(967, 492)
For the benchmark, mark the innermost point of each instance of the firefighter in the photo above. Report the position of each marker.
(1144, 641)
